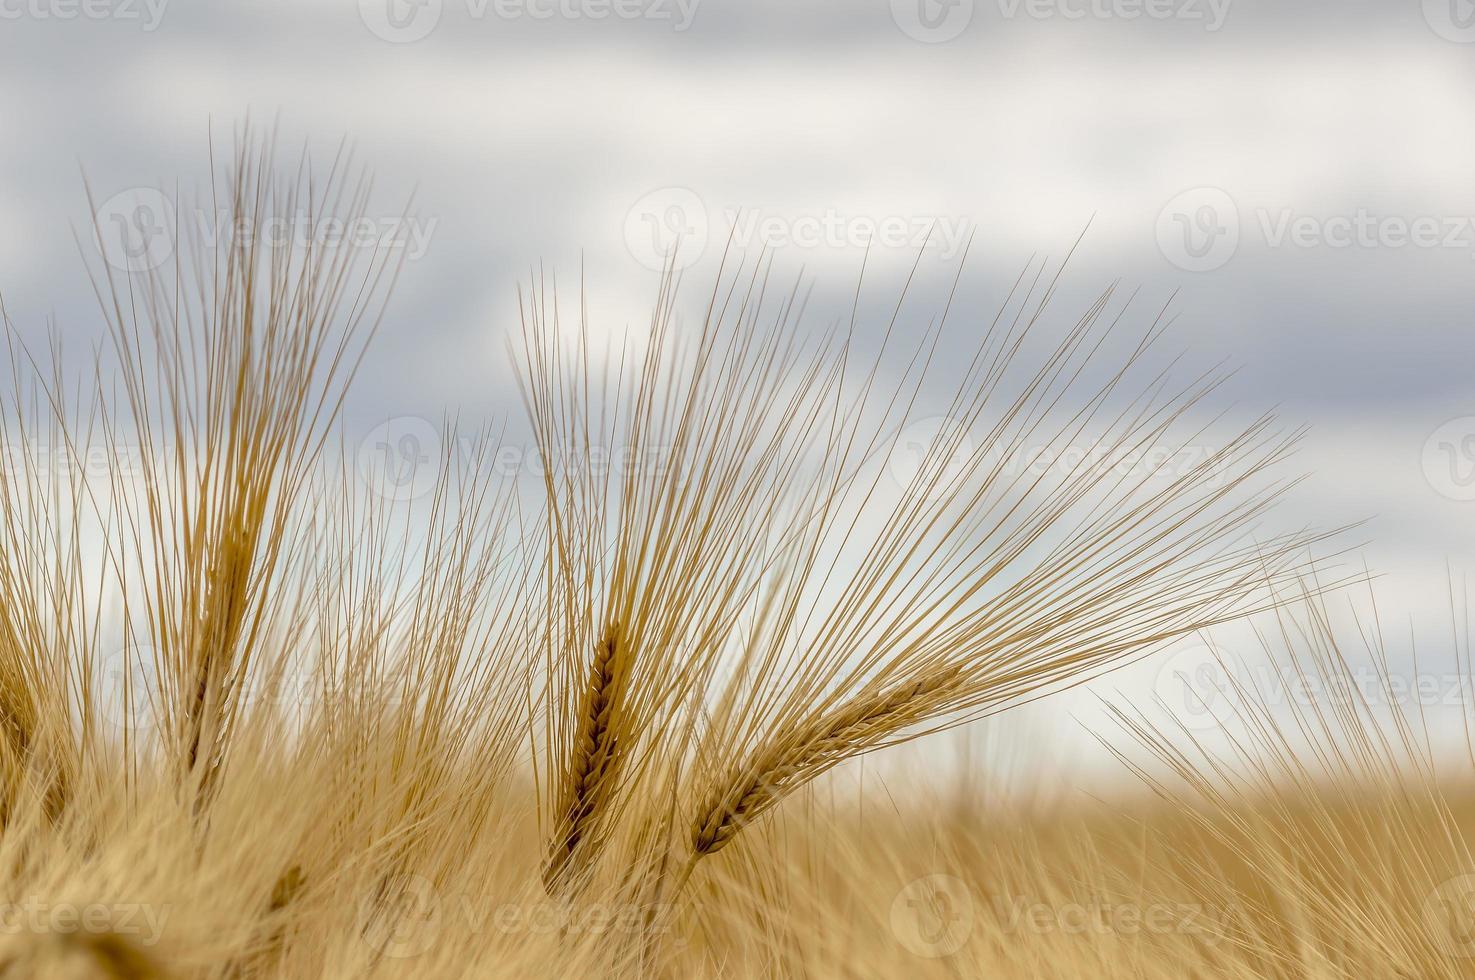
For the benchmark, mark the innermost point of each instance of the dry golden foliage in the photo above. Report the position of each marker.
(502, 730)
(783, 607)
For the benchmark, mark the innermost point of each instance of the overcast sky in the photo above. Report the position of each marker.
(1300, 173)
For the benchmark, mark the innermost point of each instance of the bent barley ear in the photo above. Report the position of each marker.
(799, 754)
(796, 604)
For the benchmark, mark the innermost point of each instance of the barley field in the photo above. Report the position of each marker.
(264, 717)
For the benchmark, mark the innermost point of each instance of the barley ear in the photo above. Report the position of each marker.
(595, 755)
(800, 755)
